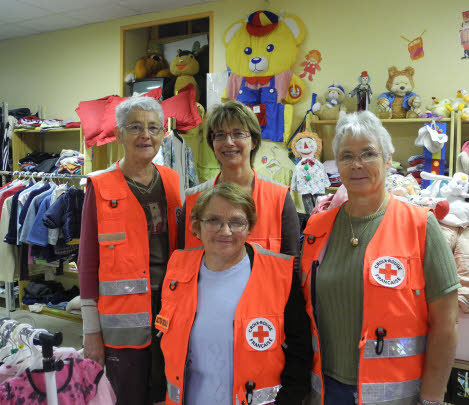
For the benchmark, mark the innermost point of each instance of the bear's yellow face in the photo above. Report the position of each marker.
(184, 65)
(266, 55)
(401, 85)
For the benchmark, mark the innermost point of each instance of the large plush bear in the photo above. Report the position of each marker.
(260, 53)
(400, 101)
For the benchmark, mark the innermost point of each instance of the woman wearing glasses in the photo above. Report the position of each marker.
(233, 319)
(234, 135)
(128, 233)
(380, 284)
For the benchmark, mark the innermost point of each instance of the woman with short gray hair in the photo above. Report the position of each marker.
(380, 284)
(128, 233)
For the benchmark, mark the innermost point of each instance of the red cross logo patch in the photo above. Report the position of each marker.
(388, 271)
(260, 334)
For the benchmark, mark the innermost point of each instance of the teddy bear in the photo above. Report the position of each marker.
(399, 101)
(260, 53)
(331, 107)
(184, 68)
(152, 65)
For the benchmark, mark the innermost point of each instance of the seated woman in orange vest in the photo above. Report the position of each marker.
(234, 135)
(128, 233)
(380, 284)
(233, 316)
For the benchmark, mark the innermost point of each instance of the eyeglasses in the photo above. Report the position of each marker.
(215, 224)
(136, 129)
(367, 156)
(237, 134)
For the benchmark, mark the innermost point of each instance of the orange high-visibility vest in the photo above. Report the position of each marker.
(269, 198)
(124, 302)
(258, 324)
(395, 316)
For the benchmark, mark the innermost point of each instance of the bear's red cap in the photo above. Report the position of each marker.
(261, 22)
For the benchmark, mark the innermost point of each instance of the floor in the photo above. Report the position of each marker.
(71, 331)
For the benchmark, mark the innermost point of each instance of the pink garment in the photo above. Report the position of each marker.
(60, 353)
(465, 147)
(282, 82)
(77, 384)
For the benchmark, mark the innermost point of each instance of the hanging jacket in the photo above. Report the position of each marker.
(124, 302)
(258, 324)
(269, 197)
(395, 317)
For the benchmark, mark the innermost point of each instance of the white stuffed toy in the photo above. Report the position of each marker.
(455, 227)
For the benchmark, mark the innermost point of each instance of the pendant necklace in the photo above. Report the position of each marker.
(354, 241)
(149, 187)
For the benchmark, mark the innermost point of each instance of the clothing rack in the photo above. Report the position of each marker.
(9, 286)
(43, 175)
(17, 333)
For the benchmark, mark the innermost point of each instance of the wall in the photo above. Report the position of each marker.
(60, 69)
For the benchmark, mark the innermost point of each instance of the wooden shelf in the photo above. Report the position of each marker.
(56, 313)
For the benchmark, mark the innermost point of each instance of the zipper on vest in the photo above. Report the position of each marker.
(380, 334)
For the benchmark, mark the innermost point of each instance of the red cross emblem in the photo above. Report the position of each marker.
(388, 272)
(260, 334)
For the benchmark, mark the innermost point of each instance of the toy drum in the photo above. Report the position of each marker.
(416, 48)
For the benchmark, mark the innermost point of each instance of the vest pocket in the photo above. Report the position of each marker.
(111, 247)
(390, 272)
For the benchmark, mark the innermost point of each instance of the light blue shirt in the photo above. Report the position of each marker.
(209, 367)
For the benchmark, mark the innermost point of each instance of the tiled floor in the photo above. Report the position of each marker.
(71, 331)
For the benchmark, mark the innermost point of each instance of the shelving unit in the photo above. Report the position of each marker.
(25, 141)
(403, 133)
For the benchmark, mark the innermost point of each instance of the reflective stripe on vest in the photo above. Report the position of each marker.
(137, 320)
(173, 391)
(123, 287)
(391, 393)
(399, 347)
(316, 383)
(315, 344)
(263, 396)
(111, 237)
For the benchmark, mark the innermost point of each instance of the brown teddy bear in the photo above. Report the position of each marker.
(153, 65)
(400, 101)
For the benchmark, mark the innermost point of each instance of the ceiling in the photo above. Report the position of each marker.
(19, 18)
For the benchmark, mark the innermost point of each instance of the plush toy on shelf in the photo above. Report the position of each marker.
(184, 67)
(331, 106)
(439, 108)
(455, 227)
(400, 101)
(260, 53)
(309, 177)
(152, 65)
(363, 92)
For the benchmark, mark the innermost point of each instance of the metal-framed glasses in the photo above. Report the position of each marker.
(137, 129)
(367, 156)
(220, 136)
(215, 224)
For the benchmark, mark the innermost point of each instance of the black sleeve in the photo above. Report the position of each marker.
(181, 224)
(290, 228)
(296, 375)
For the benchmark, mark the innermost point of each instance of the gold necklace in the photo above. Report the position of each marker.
(147, 189)
(354, 241)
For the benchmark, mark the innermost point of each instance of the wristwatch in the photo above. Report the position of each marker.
(426, 402)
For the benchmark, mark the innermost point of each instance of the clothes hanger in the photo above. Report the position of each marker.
(172, 128)
(273, 161)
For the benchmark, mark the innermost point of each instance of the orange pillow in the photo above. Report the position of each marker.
(183, 108)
